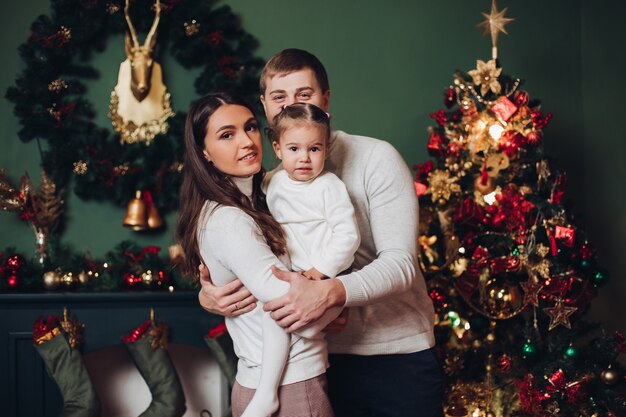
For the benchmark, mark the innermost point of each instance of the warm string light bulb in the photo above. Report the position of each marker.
(496, 131)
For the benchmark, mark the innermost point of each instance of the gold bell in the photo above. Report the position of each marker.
(154, 218)
(136, 214)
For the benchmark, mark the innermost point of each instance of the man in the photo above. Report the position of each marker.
(382, 362)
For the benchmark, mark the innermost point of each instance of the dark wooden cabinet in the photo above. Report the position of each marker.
(25, 388)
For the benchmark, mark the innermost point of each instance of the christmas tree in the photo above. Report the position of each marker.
(509, 270)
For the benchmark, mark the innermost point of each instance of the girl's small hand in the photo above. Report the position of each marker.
(230, 300)
(314, 274)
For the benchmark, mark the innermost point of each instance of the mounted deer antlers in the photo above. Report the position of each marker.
(140, 56)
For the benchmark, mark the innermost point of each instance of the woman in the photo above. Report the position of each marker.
(224, 223)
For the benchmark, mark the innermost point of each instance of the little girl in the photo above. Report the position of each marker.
(315, 212)
(312, 206)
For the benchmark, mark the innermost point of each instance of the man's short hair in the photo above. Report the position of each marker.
(292, 60)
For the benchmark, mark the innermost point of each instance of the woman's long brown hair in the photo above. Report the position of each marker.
(202, 182)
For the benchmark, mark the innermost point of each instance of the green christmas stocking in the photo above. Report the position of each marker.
(221, 344)
(147, 345)
(56, 342)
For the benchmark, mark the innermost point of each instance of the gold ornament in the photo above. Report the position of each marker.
(47, 207)
(146, 278)
(68, 279)
(191, 28)
(73, 328)
(51, 280)
(559, 314)
(65, 34)
(9, 197)
(155, 220)
(121, 169)
(542, 250)
(490, 414)
(494, 24)
(80, 167)
(496, 162)
(136, 214)
(140, 103)
(54, 113)
(501, 300)
(441, 185)
(112, 8)
(83, 277)
(609, 376)
(57, 85)
(486, 76)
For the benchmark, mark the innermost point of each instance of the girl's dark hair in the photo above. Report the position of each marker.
(202, 182)
(299, 112)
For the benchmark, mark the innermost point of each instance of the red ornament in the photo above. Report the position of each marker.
(435, 144)
(558, 190)
(504, 109)
(131, 279)
(449, 97)
(439, 117)
(565, 234)
(12, 281)
(521, 98)
(539, 120)
(504, 364)
(439, 298)
(530, 397)
(510, 142)
(217, 331)
(215, 38)
(534, 138)
(15, 262)
(469, 212)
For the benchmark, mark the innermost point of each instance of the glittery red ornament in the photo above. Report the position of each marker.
(510, 142)
(504, 364)
(521, 98)
(435, 144)
(533, 138)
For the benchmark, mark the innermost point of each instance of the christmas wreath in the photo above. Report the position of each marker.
(50, 102)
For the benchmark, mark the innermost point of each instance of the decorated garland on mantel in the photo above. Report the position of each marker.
(49, 95)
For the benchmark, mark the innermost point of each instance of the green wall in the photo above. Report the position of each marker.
(388, 64)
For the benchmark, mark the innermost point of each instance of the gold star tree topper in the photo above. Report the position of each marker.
(494, 24)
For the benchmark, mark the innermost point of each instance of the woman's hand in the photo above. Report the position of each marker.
(306, 301)
(230, 300)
